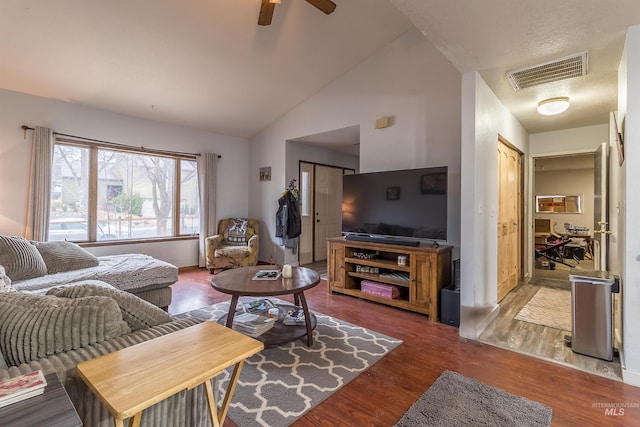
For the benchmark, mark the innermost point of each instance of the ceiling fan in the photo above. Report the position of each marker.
(266, 10)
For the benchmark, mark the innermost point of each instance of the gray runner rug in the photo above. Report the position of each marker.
(279, 385)
(455, 400)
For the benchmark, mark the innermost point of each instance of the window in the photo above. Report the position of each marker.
(103, 194)
(189, 202)
(69, 214)
(305, 192)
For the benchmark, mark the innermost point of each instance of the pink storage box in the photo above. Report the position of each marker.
(379, 289)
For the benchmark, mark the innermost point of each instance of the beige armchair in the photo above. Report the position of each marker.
(235, 245)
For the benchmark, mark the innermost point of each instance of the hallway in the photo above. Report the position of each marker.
(540, 341)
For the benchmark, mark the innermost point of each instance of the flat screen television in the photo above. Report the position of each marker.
(408, 204)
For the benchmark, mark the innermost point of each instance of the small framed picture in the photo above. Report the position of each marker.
(433, 183)
(393, 193)
(265, 173)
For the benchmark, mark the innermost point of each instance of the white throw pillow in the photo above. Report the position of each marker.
(5, 283)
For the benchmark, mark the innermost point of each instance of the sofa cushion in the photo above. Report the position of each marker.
(65, 256)
(232, 251)
(20, 258)
(37, 326)
(138, 313)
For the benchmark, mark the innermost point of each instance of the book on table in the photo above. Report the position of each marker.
(266, 275)
(251, 324)
(259, 305)
(294, 316)
(22, 387)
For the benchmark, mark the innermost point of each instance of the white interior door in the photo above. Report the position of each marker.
(328, 212)
(601, 209)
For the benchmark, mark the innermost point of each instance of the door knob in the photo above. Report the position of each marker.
(602, 231)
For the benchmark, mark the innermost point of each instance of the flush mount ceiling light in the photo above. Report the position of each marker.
(552, 106)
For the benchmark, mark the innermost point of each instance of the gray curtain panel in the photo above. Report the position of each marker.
(40, 187)
(207, 165)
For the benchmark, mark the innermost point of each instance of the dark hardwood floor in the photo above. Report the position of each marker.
(381, 395)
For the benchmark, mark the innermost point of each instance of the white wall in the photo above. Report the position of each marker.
(297, 151)
(409, 80)
(17, 109)
(626, 205)
(294, 153)
(575, 140)
(484, 117)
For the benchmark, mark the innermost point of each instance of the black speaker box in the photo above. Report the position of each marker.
(456, 274)
(450, 306)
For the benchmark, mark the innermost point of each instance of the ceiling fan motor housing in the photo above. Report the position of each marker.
(268, 6)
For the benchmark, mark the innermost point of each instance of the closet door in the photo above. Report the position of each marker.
(509, 214)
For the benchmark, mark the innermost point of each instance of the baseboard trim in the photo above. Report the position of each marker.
(473, 321)
(631, 377)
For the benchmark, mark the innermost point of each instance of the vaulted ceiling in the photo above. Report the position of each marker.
(200, 63)
(208, 65)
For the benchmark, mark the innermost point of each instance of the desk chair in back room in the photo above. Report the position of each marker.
(554, 252)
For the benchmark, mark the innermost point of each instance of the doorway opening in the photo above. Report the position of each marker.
(564, 209)
(321, 209)
(322, 159)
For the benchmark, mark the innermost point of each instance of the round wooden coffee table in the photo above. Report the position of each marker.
(239, 282)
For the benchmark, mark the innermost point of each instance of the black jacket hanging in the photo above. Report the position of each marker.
(288, 219)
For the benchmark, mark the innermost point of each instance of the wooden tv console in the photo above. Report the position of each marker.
(427, 270)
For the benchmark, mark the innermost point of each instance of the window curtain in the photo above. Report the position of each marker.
(207, 164)
(39, 202)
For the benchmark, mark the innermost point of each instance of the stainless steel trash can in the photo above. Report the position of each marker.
(591, 314)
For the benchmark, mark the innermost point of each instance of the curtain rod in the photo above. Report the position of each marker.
(25, 128)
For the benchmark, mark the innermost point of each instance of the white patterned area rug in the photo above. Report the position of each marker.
(278, 385)
(548, 307)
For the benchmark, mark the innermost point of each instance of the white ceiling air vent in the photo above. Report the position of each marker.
(560, 69)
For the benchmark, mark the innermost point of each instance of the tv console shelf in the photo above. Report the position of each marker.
(427, 270)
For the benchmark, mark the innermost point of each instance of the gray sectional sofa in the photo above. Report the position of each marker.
(36, 267)
(60, 306)
(69, 325)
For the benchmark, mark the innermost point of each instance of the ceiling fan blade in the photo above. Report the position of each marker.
(266, 13)
(327, 6)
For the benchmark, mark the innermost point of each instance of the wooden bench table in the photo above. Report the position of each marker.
(137, 377)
